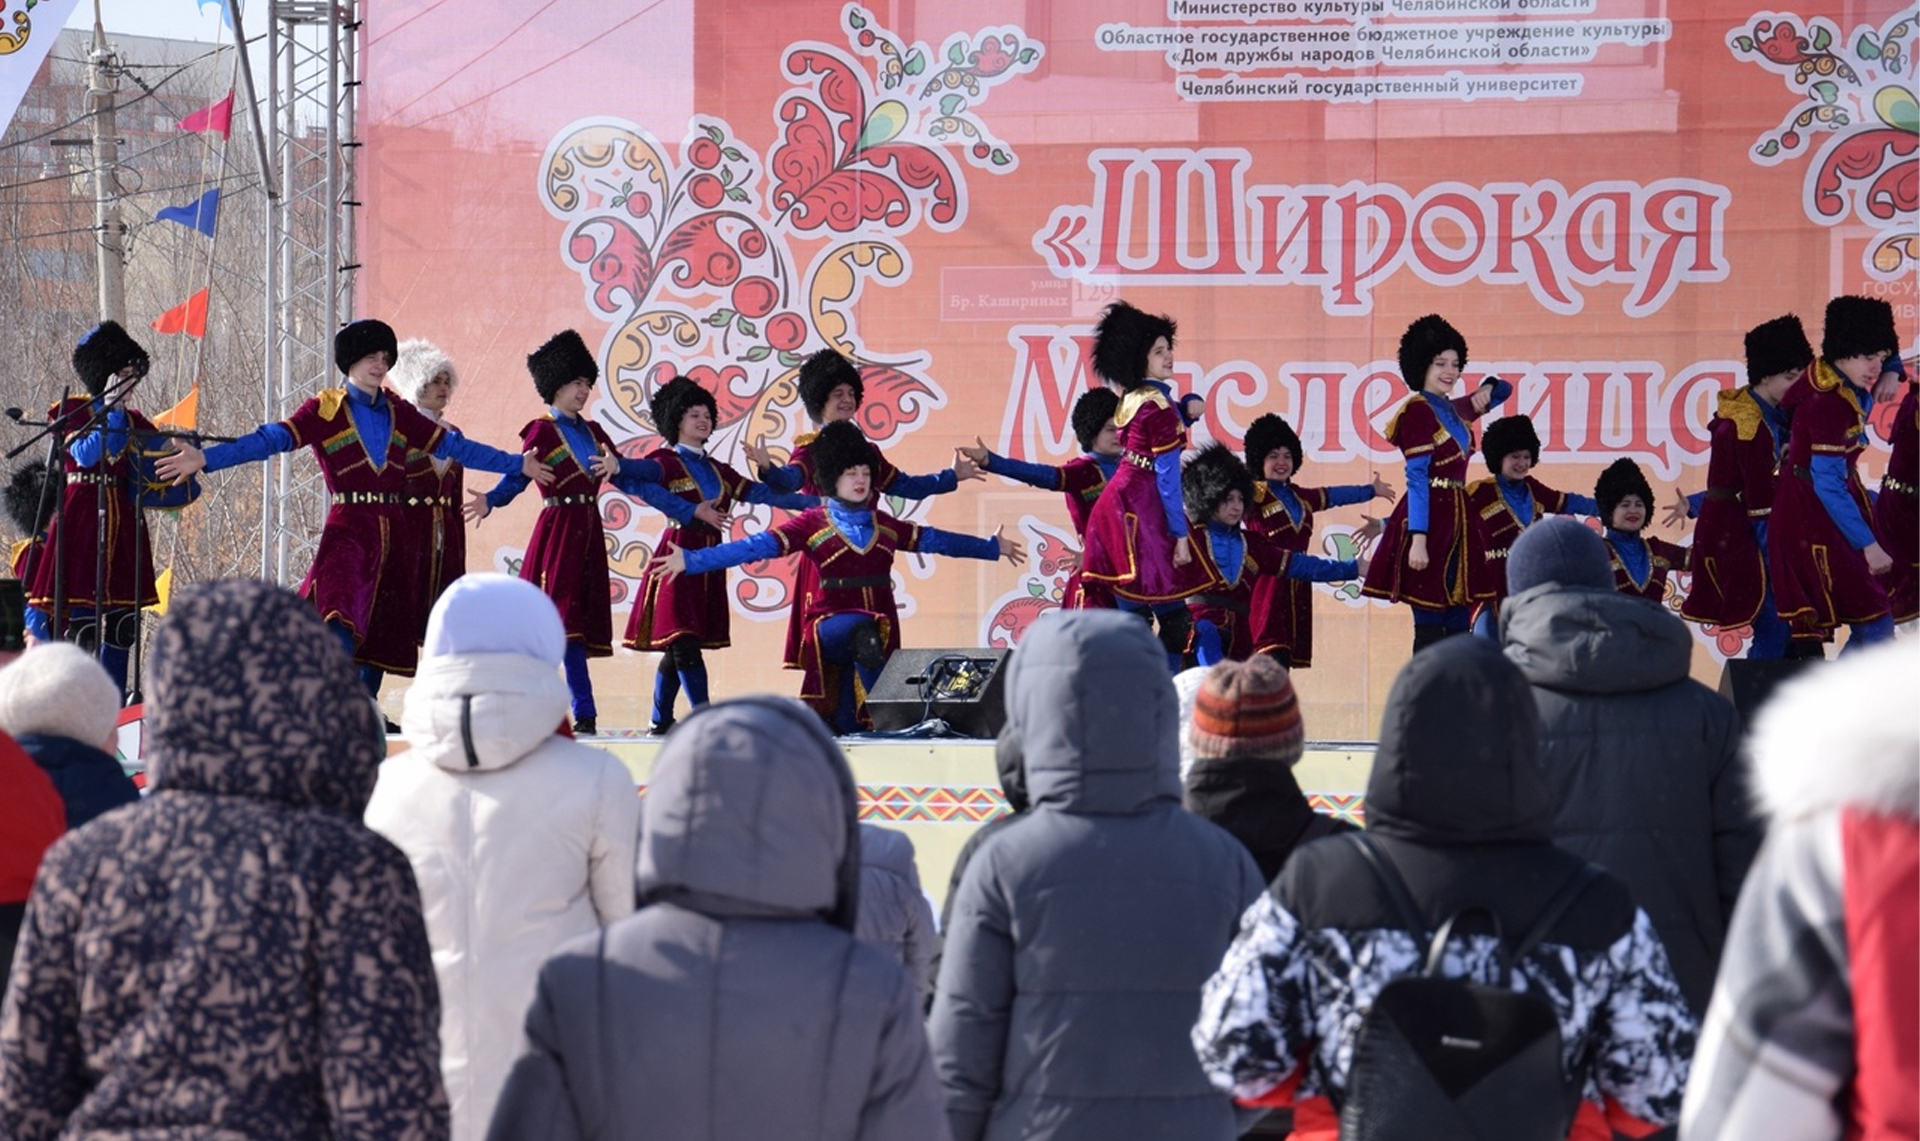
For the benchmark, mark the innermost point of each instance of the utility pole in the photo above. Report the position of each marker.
(103, 81)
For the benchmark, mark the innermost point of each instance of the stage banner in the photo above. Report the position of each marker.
(1602, 195)
(27, 31)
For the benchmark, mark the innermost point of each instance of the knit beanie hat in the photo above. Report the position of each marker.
(58, 690)
(1558, 550)
(1247, 709)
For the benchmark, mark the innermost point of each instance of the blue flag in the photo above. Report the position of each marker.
(199, 215)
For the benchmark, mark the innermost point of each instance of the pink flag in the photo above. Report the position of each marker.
(217, 117)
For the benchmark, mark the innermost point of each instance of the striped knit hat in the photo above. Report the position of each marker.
(1247, 709)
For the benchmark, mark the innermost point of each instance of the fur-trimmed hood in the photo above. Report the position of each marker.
(1808, 760)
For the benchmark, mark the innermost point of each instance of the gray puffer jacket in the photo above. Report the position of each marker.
(1643, 762)
(736, 1003)
(894, 912)
(1084, 931)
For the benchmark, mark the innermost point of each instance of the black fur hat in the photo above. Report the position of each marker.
(1424, 340)
(1091, 413)
(1622, 478)
(823, 372)
(1122, 340)
(672, 400)
(1856, 326)
(1268, 434)
(564, 359)
(102, 352)
(32, 497)
(839, 446)
(1508, 435)
(1208, 476)
(1778, 346)
(364, 338)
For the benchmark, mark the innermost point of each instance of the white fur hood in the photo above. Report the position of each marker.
(1843, 735)
(468, 712)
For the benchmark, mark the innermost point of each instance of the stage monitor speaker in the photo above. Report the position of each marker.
(1748, 684)
(963, 687)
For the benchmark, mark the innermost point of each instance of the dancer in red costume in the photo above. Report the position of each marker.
(1640, 564)
(1505, 504)
(425, 377)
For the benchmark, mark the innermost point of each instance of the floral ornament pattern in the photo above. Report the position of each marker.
(1040, 590)
(715, 262)
(1859, 98)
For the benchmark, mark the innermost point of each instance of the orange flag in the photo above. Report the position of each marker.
(215, 118)
(184, 416)
(189, 317)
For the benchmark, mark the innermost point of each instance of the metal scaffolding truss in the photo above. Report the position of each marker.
(310, 263)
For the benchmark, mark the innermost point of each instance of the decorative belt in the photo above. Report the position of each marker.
(1138, 460)
(862, 582)
(570, 500)
(100, 478)
(1449, 484)
(1759, 512)
(369, 497)
(1888, 483)
(1723, 493)
(1224, 602)
(1499, 552)
(429, 501)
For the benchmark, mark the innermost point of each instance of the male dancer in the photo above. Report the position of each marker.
(1505, 504)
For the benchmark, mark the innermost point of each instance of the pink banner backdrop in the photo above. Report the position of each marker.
(1601, 194)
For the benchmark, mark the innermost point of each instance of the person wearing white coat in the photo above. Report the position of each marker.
(521, 839)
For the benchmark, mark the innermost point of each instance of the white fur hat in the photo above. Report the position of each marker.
(58, 690)
(419, 362)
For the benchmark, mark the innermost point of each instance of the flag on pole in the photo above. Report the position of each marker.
(226, 13)
(184, 416)
(189, 317)
(25, 40)
(199, 215)
(213, 118)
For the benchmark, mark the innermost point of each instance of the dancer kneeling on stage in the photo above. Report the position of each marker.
(850, 625)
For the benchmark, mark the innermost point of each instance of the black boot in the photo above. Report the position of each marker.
(585, 727)
(869, 652)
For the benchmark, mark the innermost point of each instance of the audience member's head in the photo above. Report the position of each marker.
(1247, 709)
(495, 614)
(1186, 687)
(1011, 763)
(1561, 551)
(58, 690)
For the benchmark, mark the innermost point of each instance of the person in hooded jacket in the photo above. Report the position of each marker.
(1643, 763)
(737, 1004)
(520, 838)
(1457, 804)
(1083, 931)
(1813, 1034)
(63, 709)
(237, 955)
(894, 912)
(1012, 768)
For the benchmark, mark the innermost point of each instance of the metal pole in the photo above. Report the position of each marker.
(110, 251)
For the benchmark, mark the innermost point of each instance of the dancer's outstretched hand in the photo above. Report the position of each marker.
(1069, 561)
(180, 464)
(1010, 549)
(1677, 512)
(1370, 530)
(965, 468)
(758, 455)
(977, 454)
(533, 469)
(606, 465)
(669, 561)
(709, 514)
(1383, 490)
(477, 507)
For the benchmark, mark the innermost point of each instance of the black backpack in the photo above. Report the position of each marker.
(1445, 1059)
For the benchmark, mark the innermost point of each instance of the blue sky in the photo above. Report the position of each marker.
(174, 19)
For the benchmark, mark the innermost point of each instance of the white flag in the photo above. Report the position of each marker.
(27, 31)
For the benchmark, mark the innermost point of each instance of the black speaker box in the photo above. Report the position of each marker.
(961, 686)
(1748, 684)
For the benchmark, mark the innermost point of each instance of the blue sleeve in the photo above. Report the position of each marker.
(39, 625)
(1348, 494)
(1587, 505)
(509, 488)
(1417, 492)
(705, 560)
(1180, 406)
(761, 493)
(1166, 478)
(86, 450)
(934, 541)
(1760, 533)
(1830, 484)
(1693, 504)
(1313, 568)
(266, 440)
(634, 471)
(480, 457)
(1501, 391)
(1043, 476)
(787, 477)
(1895, 363)
(906, 486)
(655, 495)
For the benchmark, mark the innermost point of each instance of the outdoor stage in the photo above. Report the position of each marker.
(939, 791)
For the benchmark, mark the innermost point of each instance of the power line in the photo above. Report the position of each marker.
(87, 117)
(531, 72)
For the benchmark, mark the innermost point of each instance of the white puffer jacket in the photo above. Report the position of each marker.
(520, 840)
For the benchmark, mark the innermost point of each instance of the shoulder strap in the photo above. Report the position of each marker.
(1389, 878)
(1569, 894)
